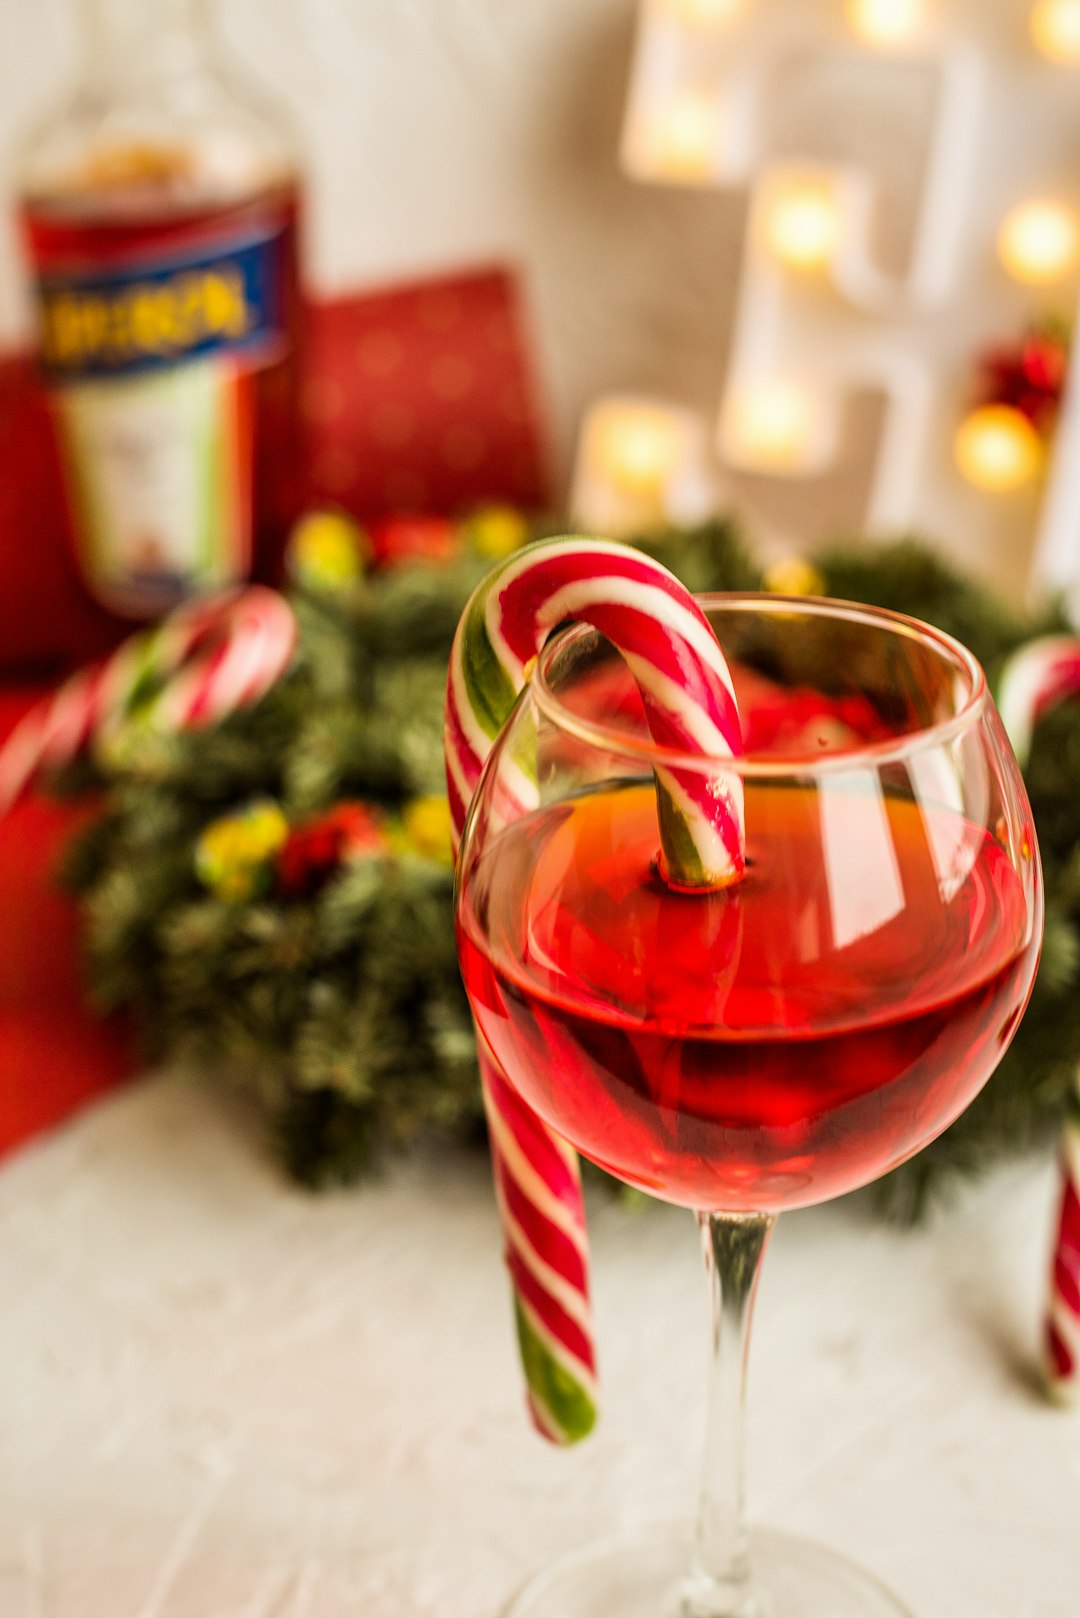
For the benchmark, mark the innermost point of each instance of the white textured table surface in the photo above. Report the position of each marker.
(220, 1398)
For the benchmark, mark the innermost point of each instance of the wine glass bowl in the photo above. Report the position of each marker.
(802, 1032)
(770, 1045)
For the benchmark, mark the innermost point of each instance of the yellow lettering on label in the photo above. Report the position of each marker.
(226, 309)
(144, 320)
(61, 339)
(172, 334)
(160, 319)
(189, 323)
(99, 333)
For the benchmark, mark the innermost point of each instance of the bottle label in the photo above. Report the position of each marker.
(152, 316)
(149, 362)
(159, 475)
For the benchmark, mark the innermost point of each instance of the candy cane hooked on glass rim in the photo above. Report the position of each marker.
(1042, 674)
(669, 648)
(689, 703)
(203, 662)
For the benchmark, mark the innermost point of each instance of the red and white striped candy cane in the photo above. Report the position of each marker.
(1063, 1313)
(1042, 674)
(690, 706)
(204, 661)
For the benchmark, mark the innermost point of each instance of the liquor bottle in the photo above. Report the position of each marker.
(160, 214)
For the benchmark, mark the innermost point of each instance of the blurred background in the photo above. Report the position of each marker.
(635, 167)
(443, 134)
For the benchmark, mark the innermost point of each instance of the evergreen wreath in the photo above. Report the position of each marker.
(272, 898)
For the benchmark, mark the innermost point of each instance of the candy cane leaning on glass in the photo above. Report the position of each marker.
(1044, 673)
(203, 662)
(689, 703)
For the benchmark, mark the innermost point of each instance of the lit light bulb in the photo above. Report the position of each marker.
(771, 426)
(638, 449)
(998, 449)
(1039, 242)
(804, 223)
(1055, 28)
(703, 13)
(886, 22)
(686, 137)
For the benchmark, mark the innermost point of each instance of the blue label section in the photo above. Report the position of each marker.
(153, 316)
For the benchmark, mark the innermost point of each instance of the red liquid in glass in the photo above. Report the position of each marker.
(764, 1048)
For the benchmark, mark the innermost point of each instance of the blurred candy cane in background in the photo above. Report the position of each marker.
(1044, 673)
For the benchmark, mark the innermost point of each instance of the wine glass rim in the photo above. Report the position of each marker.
(888, 750)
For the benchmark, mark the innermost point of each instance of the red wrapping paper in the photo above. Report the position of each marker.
(55, 1054)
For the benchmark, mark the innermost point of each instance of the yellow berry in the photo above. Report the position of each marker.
(426, 825)
(794, 576)
(234, 854)
(496, 531)
(327, 550)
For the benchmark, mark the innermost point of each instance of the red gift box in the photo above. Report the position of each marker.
(422, 399)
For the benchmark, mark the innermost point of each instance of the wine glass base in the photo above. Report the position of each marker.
(639, 1574)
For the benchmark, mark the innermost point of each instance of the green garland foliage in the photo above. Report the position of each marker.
(343, 1012)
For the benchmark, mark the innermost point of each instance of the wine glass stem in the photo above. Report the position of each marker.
(720, 1582)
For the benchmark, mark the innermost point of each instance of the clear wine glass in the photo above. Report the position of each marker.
(767, 1047)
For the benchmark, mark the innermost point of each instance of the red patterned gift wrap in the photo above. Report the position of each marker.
(422, 399)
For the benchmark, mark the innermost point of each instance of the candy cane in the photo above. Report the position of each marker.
(1044, 673)
(203, 662)
(689, 703)
(1033, 680)
(671, 652)
(1063, 1313)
